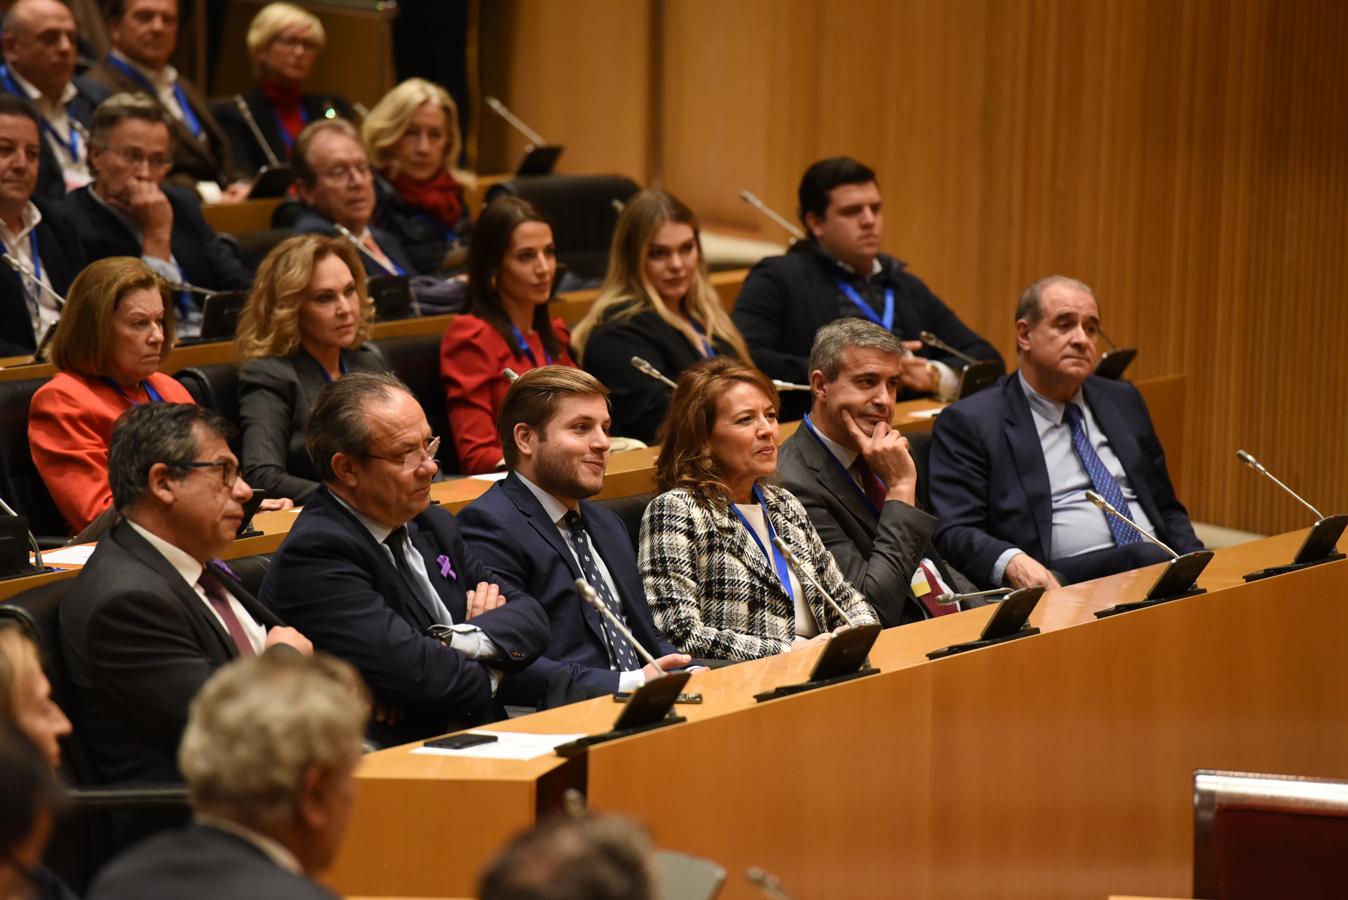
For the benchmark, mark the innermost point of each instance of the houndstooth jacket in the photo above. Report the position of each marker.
(716, 595)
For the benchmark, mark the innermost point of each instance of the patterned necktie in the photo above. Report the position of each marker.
(217, 597)
(873, 485)
(621, 652)
(1101, 479)
(934, 590)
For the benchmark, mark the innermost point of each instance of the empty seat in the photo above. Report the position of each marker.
(416, 360)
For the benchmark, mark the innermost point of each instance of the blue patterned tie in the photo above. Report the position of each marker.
(1103, 481)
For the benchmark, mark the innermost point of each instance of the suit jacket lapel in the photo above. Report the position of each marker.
(834, 479)
(1023, 439)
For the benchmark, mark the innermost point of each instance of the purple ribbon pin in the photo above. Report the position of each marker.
(446, 570)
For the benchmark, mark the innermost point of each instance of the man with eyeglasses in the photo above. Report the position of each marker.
(377, 576)
(336, 187)
(129, 211)
(153, 614)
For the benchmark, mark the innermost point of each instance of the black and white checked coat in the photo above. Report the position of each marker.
(716, 595)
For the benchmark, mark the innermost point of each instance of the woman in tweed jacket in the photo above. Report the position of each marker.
(716, 586)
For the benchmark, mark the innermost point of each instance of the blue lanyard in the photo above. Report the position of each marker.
(281, 128)
(707, 349)
(189, 117)
(322, 369)
(37, 266)
(778, 560)
(851, 294)
(149, 392)
(841, 468)
(71, 146)
(528, 351)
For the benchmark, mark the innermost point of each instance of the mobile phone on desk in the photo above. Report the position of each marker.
(460, 741)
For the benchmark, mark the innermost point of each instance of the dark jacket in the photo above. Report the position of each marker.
(51, 182)
(249, 158)
(311, 221)
(424, 238)
(62, 257)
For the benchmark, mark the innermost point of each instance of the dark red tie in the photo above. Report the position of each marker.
(219, 600)
(873, 485)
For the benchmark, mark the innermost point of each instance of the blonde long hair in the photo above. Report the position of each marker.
(388, 121)
(627, 291)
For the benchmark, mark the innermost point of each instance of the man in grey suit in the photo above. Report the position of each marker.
(852, 471)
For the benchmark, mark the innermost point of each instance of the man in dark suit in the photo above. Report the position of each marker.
(536, 529)
(144, 34)
(128, 211)
(378, 577)
(840, 271)
(1010, 465)
(298, 719)
(36, 236)
(336, 187)
(152, 615)
(853, 473)
(40, 44)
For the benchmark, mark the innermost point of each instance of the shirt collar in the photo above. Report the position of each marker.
(555, 508)
(270, 847)
(121, 215)
(68, 93)
(876, 267)
(183, 563)
(378, 531)
(28, 220)
(841, 453)
(164, 78)
(1050, 410)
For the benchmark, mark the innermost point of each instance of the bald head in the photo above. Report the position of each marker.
(39, 44)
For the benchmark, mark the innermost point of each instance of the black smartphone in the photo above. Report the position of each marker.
(1012, 613)
(460, 741)
(250, 510)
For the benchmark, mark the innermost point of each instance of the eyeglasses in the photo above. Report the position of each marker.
(413, 458)
(134, 157)
(361, 171)
(229, 471)
(292, 42)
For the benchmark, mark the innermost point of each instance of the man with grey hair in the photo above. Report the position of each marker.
(1011, 465)
(153, 614)
(379, 577)
(269, 755)
(853, 472)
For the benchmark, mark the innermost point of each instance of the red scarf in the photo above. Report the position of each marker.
(285, 102)
(439, 196)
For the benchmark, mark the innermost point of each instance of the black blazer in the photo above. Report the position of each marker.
(508, 528)
(205, 258)
(249, 158)
(311, 221)
(786, 299)
(62, 256)
(203, 863)
(639, 401)
(424, 238)
(989, 485)
(878, 556)
(276, 395)
(51, 181)
(137, 645)
(332, 581)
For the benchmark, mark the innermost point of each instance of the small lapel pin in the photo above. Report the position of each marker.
(446, 569)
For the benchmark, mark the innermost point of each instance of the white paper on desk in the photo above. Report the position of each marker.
(508, 745)
(926, 413)
(490, 476)
(72, 557)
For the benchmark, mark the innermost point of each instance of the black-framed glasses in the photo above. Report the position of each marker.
(229, 470)
(412, 458)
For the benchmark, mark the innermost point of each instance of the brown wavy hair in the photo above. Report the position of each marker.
(685, 452)
(270, 322)
(84, 340)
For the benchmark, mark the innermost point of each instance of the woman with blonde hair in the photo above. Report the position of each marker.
(717, 585)
(412, 136)
(283, 42)
(305, 323)
(657, 303)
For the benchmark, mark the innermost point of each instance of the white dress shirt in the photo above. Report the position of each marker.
(75, 166)
(43, 310)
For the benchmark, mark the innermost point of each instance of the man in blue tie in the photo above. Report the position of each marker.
(1010, 466)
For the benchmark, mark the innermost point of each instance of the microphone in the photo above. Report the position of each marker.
(32, 541)
(510, 374)
(360, 109)
(752, 199)
(1108, 507)
(618, 205)
(646, 368)
(788, 386)
(933, 340)
(257, 132)
(17, 265)
(191, 288)
(591, 596)
(794, 562)
(766, 882)
(948, 598)
(1255, 464)
(355, 242)
(499, 108)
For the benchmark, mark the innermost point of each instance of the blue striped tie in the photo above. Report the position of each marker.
(1103, 481)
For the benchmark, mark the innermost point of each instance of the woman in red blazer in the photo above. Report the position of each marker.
(115, 330)
(511, 265)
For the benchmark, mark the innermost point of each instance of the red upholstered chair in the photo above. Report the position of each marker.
(1259, 836)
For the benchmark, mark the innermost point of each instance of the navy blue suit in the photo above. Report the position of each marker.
(311, 221)
(989, 484)
(509, 529)
(340, 588)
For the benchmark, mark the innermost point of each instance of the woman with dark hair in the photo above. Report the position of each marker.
(658, 303)
(717, 585)
(511, 265)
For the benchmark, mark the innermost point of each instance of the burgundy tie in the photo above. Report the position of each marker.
(928, 600)
(873, 485)
(219, 600)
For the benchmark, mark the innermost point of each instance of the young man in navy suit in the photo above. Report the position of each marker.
(537, 530)
(1010, 466)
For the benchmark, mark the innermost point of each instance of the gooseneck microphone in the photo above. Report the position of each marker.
(1255, 464)
(247, 114)
(931, 339)
(591, 596)
(17, 265)
(1108, 507)
(766, 882)
(515, 121)
(788, 386)
(948, 598)
(32, 541)
(752, 199)
(510, 374)
(646, 368)
(801, 573)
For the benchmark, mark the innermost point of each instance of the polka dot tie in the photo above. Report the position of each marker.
(1101, 479)
(621, 652)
